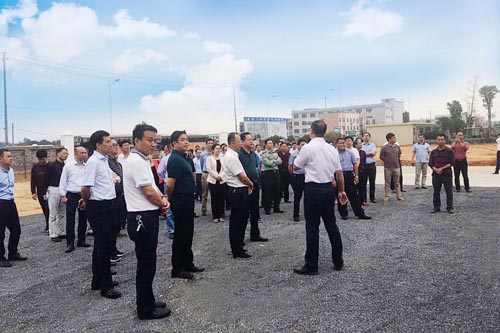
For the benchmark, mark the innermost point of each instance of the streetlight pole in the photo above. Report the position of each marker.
(110, 109)
(267, 109)
(5, 101)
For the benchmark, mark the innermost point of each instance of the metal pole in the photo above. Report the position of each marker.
(5, 101)
(267, 108)
(12, 133)
(110, 109)
(235, 117)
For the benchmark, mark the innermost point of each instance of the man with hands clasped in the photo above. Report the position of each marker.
(441, 161)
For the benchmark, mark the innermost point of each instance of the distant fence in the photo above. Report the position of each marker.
(25, 157)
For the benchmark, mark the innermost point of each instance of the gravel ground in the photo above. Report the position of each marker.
(405, 271)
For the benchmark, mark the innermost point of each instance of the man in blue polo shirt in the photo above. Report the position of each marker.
(370, 167)
(204, 176)
(420, 155)
(8, 211)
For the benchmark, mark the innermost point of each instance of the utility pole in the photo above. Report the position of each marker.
(5, 101)
(325, 104)
(235, 117)
(110, 83)
(12, 133)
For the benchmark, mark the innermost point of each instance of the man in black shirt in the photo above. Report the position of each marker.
(38, 188)
(180, 189)
(249, 161)
(57, 210)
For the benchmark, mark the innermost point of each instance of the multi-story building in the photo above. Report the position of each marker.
(349, 119)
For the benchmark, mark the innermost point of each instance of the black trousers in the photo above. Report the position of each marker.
(271, 190)
(443, 179)
(298, 190)
(146, 242)
(285, 184)
(182, 206)
(9, 219)
(120, 220)
(238, 198)
(254, 211)
(101, 218)
(45, 208)
(318, 205)
(71, 208)
(361, 186)
(217, 199)
(371, 174)
(393, 187)
(197, 193)
(461, 167)
(352, 194)
(498, 161)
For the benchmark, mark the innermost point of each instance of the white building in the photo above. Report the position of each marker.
(350, 118)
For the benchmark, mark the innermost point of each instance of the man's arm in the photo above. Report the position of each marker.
(245, 180)
(170, 187)
(33, 184)
(85, 197)
(153, 195)
(382, 154)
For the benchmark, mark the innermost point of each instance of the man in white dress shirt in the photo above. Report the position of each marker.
(321, 164)
(70, 192)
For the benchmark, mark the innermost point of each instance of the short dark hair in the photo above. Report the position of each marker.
(176, 135)
(421, 135)
(60, 149)
(389, 136)
(41, 153)
(269, 139)
(3, 150)
(209, 139)
(97, 138)
(319, 128)
(230, 137)
(283, 143)
(122, 142)
(340, 138)
(441, 134)
(215, 146)
(166, 143)
(368, 134)
(223, 145)
(349, 137)
(294, 142)
(460, 131)
(243, 136)
(258, 145)
(301, 140)
(139, 129)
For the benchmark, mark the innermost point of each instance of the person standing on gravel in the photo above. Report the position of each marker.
(9, 218)
(270, 178)
(38, 188)
(390, 154)
(144, 202)
(321, 164)
(460, 148)
(298, 180)
(441, 161)
(420, 154)
(498, 155)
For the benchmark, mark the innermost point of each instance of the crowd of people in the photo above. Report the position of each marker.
(121, 190)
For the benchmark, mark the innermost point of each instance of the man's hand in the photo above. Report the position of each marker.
(356, 180)
(34, 196)
(219, 178)
(81, 204)
(166, 205)
(116, 179)
(342, 198)
(64, 200)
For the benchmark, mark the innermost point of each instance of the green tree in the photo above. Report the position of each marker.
(455, 109)
(488, 93)
(290, 138)
(275, 138)
(331, 136)
(450, 125)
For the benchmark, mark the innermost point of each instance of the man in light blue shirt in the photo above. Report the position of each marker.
(204, 184)
(98, 194)
(298, 180)
(9, 218)
(370, 167)
(420, 155)
(163, 174)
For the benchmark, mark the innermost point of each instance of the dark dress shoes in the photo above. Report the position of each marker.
(171, 235)
(242, 255)
(374, 201)
(113, 272)
(80, 244)
(305, 270)
(364, 217)
(296, 219)
(344, 217)
(97, 287)
(17, 257)
(258, 239)
(267, 212)
(70, 248)
(278, 211)
(451, 211)
(112, 294)
(160, 304)
(62, 236)
(56, 239)
(338, 265)
(183, 275)
(195, 269)
(158, 313)
(435, 210)
(4, 262)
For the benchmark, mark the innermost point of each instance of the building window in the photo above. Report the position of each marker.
(312, 114)
(304, 115)
(305, 130)
(296, 131)
(304, 122)
(295, 123)
(296, 115)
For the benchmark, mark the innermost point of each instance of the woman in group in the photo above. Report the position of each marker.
(216, 183)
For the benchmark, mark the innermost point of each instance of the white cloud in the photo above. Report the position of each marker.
(216, 47)
(25, 9)
(132, 57)
(207, 91)
(127, 27)
(370, 22)
(191, 35)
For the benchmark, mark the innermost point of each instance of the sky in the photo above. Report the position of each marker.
(185, 64)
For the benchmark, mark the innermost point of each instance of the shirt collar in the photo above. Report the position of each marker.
(6, 171)
(144, 157)
(100, 156)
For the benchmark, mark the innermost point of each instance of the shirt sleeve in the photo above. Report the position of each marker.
(336, 160)
(173, 169)
(89, 171)
(290, 160)
(302, 158)
(32, 180)
(162, 168)
(140, 173)
(234, 165)
(354, 159)
(414, 149)
(63, 182)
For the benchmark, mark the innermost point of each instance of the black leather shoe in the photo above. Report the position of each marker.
(62, 236)
(296, 219)
(171, 235)
(113, 272)
(158, 313)
(112, 264)
(160, 305)
(82, 244)
(70, 249)
(435, 210)
(112, 294)
(4, 262)
(56, 239)
(364, 217)
(278, 211)
(451, 211)
(344, 217)
(242, 255)
(17, 257)
(267, 212)
(374, 201)
(183, 275)
(458, 190)
(338, 265)
(195, 269)
(468, 191)
(259, 239)
(97, 287)
(304, 270)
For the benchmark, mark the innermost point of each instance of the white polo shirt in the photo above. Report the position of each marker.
(98, 176)
(71, 178)
(232, 168)
(137, 174)
(319, 160)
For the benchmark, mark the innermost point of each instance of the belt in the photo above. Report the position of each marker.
(370, 163)
(5, 200)
(74, 193)
(270, 171)
(205, 171)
